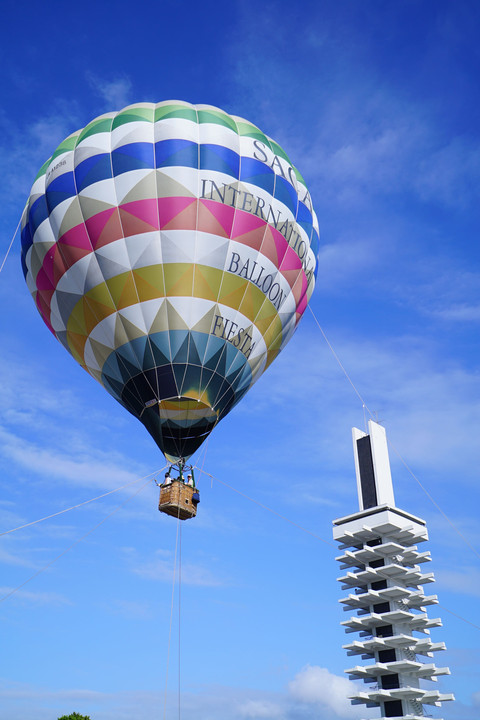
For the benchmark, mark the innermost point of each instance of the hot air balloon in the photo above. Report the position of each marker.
(172, 249)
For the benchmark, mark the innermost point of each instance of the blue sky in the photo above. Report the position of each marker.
(377, 105)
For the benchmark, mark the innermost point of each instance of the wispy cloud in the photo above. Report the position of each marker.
(32, 398)
(24, 148)
(257, 709)
(462, 580)
(131, 609)
(116, 92)
(14, 558)
(450, 174)
(9, 518)
(24, 597)
(400, 377)
(347, 259)
(93, 469)
(459, 313)
(160, 568)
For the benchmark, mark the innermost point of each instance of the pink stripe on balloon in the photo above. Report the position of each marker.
(146, 210)
(44, 311)
(96, 223)
(281, 244)
(302, 305)
(304, 283)
(245, 222)
(223, 213)
(77, 237)
(170, 207)
(291, 261)
(42, 280)
(47, 267)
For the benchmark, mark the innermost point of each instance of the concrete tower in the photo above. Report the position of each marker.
(384, 582)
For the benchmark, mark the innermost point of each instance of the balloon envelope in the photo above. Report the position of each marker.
(172, 249)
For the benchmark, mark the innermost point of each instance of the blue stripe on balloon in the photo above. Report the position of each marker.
(175, 153)
(307, 227)
(160, 347)
(286, 193)
(60, 189)
(26, 240)
(134, 156)
(183, 153)
(92, 170)
(257, 173)
(304, 214)
(315, 242)
(219, 158)
(24, 265)
(37, 214)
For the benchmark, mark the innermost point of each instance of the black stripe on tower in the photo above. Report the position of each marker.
(367, 475)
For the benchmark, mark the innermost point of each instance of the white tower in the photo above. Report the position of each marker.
(385, 590)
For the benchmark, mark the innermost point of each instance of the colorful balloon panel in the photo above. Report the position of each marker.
(172, 249)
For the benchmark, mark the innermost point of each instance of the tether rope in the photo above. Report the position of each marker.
(179, 616)
(205, 454)
(460, 617)
(460, 534)
(357, 393)
(70, 547)
(365, 406)
(171, 616)
(265, 507)
(86, 502)
(10, 246)
(317, 537)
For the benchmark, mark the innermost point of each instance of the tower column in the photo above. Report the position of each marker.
(384, 581)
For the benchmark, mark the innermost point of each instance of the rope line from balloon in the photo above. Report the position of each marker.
(10, 246)
(70, 547)
(86, 502)
(317, 537)
(205, 453)
(365, 407)
(469, 622)
(171, 614)
(265, 507)
(357, 392)
(179, 618)
(452, 525)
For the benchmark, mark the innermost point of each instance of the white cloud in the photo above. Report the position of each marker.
(318, 686)
(160, 568)
(450, 175)
(213, 702)
(257, 709)
(459, 313)
(9, 518)
(462, 580)
(88, 469)
(346, 260)
(23, 149)
(132, 609)
(9, 558)
(35, 598)
(22, 382)
(359, 138)
(116, 92)
(400, 377)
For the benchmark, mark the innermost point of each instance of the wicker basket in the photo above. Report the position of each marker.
(176, 500)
